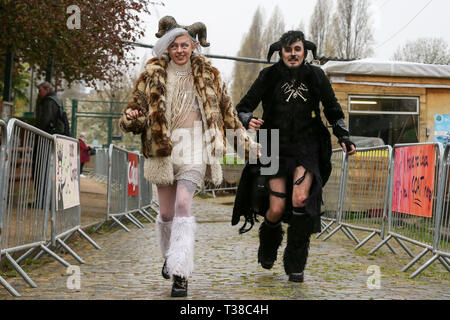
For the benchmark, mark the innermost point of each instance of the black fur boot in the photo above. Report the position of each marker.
(270, 237)
(297, 248)
(179, 287)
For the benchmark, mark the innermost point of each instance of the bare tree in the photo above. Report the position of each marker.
(275, 27)
(424, 50)
(245, 73)
(319, 24)
(352, 35)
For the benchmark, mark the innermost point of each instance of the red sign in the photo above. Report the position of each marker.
(414, 180)
(133, 175)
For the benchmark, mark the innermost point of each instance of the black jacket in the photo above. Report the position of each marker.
(47, 113)
(266, 89)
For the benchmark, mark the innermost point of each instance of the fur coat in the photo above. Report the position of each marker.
(218, 115)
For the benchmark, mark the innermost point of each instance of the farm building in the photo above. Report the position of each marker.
(398, 102)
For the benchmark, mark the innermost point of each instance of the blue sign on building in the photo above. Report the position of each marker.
(442, 128)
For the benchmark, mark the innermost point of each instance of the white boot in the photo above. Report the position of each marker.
(163, 230)
(180, 257)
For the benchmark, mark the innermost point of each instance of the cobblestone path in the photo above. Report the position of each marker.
(128, 267)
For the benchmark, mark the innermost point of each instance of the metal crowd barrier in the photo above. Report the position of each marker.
(365, 191)
(3, 136)
(120, 204)
(67, 220)
(146, 193)
(332, 192)
(442, 243)
(26, 194)
(101, 162)
(422, 231)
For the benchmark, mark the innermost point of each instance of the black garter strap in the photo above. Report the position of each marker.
(276, 194)
(301, 179)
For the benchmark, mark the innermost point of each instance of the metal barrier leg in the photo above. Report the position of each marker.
(365, 240)
(134, 221)
(94, 244)
(134, 216)
(65, 239)
(382, 243)
(54, 255)
(120, 223)
(25, 255)
(325, 230)
(150, 215)
(100, 225)
(352, 235)
(390, 248)
(73, 253)
(333, 232)
(8, 287)
(412, 262)
(41, 252)
(141, 212)
(444, 263)
(22, 273)
(424, 266)
(404, 247)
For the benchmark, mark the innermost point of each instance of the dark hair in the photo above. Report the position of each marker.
(290, 37)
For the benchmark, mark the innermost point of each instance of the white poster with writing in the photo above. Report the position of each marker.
(67, 188)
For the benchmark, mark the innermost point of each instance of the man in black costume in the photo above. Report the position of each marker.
(290, 92)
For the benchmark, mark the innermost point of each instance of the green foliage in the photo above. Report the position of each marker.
(37, 30)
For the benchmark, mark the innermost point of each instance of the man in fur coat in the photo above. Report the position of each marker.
(182, 111)
(290, 92)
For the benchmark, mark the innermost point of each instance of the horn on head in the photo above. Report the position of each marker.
(276, 46)
(311, 46)
(198, 30)
(165, 24)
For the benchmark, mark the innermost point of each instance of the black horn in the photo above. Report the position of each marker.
(276, 46)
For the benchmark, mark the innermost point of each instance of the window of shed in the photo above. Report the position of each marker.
(393, 119)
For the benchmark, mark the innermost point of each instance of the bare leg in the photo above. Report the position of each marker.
(277, 204)
(167, 197)
(298, 238)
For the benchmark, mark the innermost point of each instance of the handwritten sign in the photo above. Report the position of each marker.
(414, 180)
(66, 178)
(133, 175)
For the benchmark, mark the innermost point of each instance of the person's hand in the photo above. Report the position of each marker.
(351, 146)
(133, 114)
(255, 124)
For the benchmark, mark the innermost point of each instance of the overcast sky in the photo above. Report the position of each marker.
(228, 21)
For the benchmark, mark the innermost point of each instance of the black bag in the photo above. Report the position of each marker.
(92, 152)
(62, 125)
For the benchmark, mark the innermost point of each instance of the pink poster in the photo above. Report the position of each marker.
(414, 180)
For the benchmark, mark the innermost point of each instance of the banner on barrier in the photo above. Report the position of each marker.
(414, 180)
(133, 175)
(67, 195)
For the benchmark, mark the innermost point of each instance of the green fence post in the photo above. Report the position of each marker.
(74, 117)
(110, 123)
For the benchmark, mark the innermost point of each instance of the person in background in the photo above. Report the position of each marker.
(84, 152)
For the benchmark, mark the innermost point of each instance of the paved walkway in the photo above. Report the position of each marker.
(128, 267)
